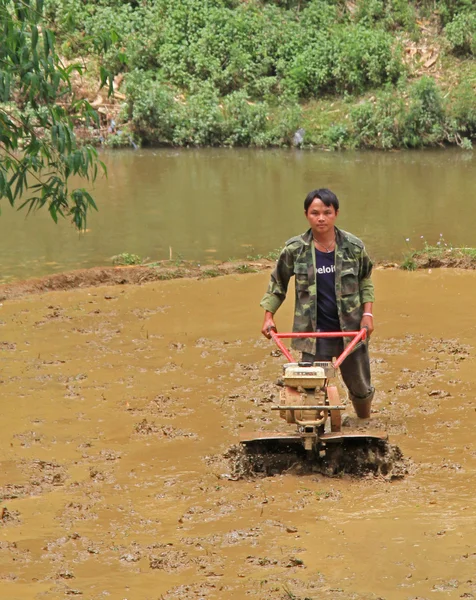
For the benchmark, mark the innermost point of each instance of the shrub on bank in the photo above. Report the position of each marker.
(234, 72)
(463, 109)
(392, 118)
(461, 33)
(258, 47)
(391, 14)
(437, 256)
(420, 118)
(345, 59)
(448, 10)
(160, 114)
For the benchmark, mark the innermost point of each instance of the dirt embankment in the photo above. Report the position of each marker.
(464, 258)
(166, 270)
(133, 275)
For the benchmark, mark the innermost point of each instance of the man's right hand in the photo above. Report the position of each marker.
(268, 324)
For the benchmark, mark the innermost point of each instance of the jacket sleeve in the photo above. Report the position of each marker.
(366, 287)
(278, 285)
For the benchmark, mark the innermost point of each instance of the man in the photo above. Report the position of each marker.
(334, 292)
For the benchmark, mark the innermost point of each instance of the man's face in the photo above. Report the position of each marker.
(321, 217)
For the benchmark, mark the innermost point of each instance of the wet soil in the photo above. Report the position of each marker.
(167, 270)
(120, 406)
(133, 275)
(450, 258)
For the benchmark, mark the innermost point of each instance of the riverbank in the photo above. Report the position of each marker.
(366, 74)
(421, 113)
(431, 258)
(128, 275)
(440, 256)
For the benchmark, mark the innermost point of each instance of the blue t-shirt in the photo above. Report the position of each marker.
(327, 316)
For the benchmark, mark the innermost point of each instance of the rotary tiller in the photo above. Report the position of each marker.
(309, 399)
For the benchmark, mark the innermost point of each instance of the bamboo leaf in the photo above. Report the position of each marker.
(34, 36)
(37, 174)
(53, 212)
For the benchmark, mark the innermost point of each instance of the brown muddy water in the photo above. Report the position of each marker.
(118, 405)
(215, 204)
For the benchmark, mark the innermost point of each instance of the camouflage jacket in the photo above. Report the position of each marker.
(353, 284)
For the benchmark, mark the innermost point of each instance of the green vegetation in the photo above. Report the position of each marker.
(461, 33)
(126, 259)
(405, 117)
(437, 255)
(271, 255)
(365, 74)
(38, 112)
(207, 273)
(245, 269)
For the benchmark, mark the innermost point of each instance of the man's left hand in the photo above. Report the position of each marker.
(369, 323)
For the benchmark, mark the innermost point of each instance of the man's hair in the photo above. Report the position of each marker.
(325, 195)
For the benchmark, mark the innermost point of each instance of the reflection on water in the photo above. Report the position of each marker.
(215, 204)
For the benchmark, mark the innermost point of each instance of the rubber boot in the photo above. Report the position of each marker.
(362, 405)
(362, 408)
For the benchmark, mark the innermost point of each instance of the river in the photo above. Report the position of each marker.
(216, 204)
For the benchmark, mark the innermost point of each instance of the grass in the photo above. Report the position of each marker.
(289, 595)
(207, 273)
(324, 115)
(126, 258)
(430, 256)
(245, 269)
(271, 255)
(409, 263)
(433, 256)
(170, 275)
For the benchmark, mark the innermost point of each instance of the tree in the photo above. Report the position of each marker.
(38, 148)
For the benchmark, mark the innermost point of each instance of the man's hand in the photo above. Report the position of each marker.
(268, 324)
(369, 323)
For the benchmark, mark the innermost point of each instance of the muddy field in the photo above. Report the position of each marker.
(120, 405)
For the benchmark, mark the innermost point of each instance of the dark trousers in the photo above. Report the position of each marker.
(355, 369)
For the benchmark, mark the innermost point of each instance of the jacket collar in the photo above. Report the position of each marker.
(340, 237)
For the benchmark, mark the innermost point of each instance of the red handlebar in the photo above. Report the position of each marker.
(357, 335)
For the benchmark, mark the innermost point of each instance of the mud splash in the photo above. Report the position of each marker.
(360, 458)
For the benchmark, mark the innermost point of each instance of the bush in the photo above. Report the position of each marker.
(232, 49)
(449, 9)
(378, 124)
(283, 122)
(348, 58)
(159, 113)
(393, 121)
(245, 121)
(67, 14)
(151, 107)
(389, 14)
(199, 121)
(463, 109)
(337, 136)
(263, 49)
(125, 258)
(232, 72)
(425, 121)
(461, 33)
